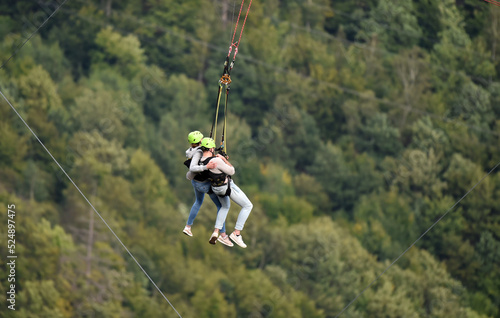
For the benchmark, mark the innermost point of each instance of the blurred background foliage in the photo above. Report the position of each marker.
(353, 126)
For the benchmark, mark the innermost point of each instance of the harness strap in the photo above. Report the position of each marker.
(213, 131)
(217, 179)
(223, 146)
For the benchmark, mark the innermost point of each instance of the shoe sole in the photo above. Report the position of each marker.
(213, 240)
(190, 235)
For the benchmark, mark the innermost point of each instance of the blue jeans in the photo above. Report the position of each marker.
(200, 188)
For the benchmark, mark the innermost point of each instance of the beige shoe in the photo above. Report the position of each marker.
(226, 241)
(238, 239)
(187, 231)
(213, 238)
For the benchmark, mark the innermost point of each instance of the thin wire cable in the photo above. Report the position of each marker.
(418, 239)
(31, 35)
(91, 205)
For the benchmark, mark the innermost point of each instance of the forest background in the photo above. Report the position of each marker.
(353, 126)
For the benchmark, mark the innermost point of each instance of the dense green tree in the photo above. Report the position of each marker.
(13, 147)
(347, 16)
(44, 301)
(417, 174)
(382, 217)
(123, 53)
(473, 106)
(379, 136)
(293, 129)
(99, 111)
(49, 55)
(343, 177)
(394, 23)
(428, 17)
(425, 135)
(357, 113)
(412, 69)
(353, 126)
(42, 108)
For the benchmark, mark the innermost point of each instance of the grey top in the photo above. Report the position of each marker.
(190, 151)
(195, 155)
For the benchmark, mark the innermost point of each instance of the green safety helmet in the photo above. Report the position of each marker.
(195, 137)
(208, 143)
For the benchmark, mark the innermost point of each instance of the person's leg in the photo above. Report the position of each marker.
(221, 217)
(223, 238)
(197, 203)
(216, 201)
(240, 198)
(222, 214)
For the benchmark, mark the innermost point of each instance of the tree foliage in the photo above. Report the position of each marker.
(354, 127)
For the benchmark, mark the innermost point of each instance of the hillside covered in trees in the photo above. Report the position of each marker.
(353, 126)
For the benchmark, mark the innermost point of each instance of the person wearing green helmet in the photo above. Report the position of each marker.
(194, 138)
(198, 174)
(225, 188)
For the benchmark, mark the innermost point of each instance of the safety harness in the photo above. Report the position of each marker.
(217, 179)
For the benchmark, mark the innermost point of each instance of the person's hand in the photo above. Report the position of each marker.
(211, 165)
(222, 157)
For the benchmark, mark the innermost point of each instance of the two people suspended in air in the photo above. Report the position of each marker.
(211, 173)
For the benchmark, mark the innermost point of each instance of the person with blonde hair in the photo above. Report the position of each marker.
(224, 187)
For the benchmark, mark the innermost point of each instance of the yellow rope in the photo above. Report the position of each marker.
(217, 113)
(225, 117)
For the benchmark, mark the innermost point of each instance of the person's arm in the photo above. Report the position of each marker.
(190, 175)
(224, 159)
(195, 166)
(224, 166)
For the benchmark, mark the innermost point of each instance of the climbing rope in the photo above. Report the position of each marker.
(493, 2)
(225, 80)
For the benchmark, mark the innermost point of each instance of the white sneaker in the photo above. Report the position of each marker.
(238, 239)
(226, 241)
(187, 231)
(213, 238)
